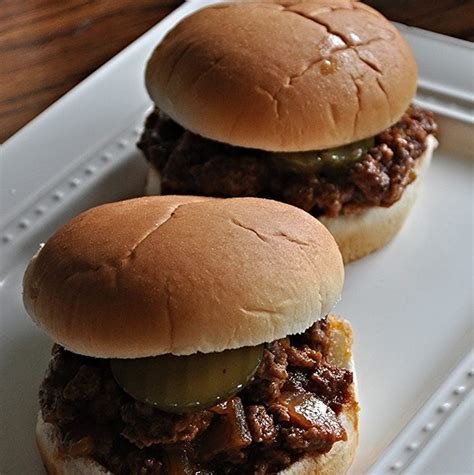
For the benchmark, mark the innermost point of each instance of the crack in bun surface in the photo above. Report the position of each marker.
(178, 274)
(283, 77)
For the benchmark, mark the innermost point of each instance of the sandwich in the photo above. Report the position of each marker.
(193, 335)
(306, 103)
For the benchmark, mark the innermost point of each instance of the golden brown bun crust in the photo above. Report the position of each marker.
(302, 77)
(336, 462)
(363, 233)
(178, 274)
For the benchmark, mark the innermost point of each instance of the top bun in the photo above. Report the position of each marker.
(177, 274)
(306, 76)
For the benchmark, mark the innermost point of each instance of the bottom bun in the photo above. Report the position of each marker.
(153, 182)
(362, 233)
(55, 461)
(336, 462)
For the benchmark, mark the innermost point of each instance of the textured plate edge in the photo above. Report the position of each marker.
(450, 102)
(423, 427)
(72, 99)
(62, 190)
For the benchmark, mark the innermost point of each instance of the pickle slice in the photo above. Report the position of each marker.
(347, 154)
(315, 161)
(187, 383)
(298, 162)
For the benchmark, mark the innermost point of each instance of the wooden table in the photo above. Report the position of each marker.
(48, 46)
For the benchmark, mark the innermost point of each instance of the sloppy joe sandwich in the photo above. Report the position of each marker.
(306, 103)
(193, 335)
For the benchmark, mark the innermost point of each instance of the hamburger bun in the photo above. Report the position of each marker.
(179, 274)
(336, 462)
(305, 76)
(362, 233)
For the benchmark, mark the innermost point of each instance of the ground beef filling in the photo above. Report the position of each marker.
(289, 409)
(190, 164)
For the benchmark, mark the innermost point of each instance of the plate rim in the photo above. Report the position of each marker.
(446, 99)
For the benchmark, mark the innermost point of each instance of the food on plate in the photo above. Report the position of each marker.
(306, 103)
(193, 335)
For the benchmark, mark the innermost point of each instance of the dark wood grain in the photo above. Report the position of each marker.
(450, 17)
(48, 46)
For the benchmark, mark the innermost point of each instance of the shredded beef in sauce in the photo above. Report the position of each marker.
(267, 426)
(190, 164)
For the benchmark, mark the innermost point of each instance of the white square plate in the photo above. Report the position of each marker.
(410, 304)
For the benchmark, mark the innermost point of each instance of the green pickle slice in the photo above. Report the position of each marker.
(347, 154)
(315, 161)
(298, 162)
(187, 383)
